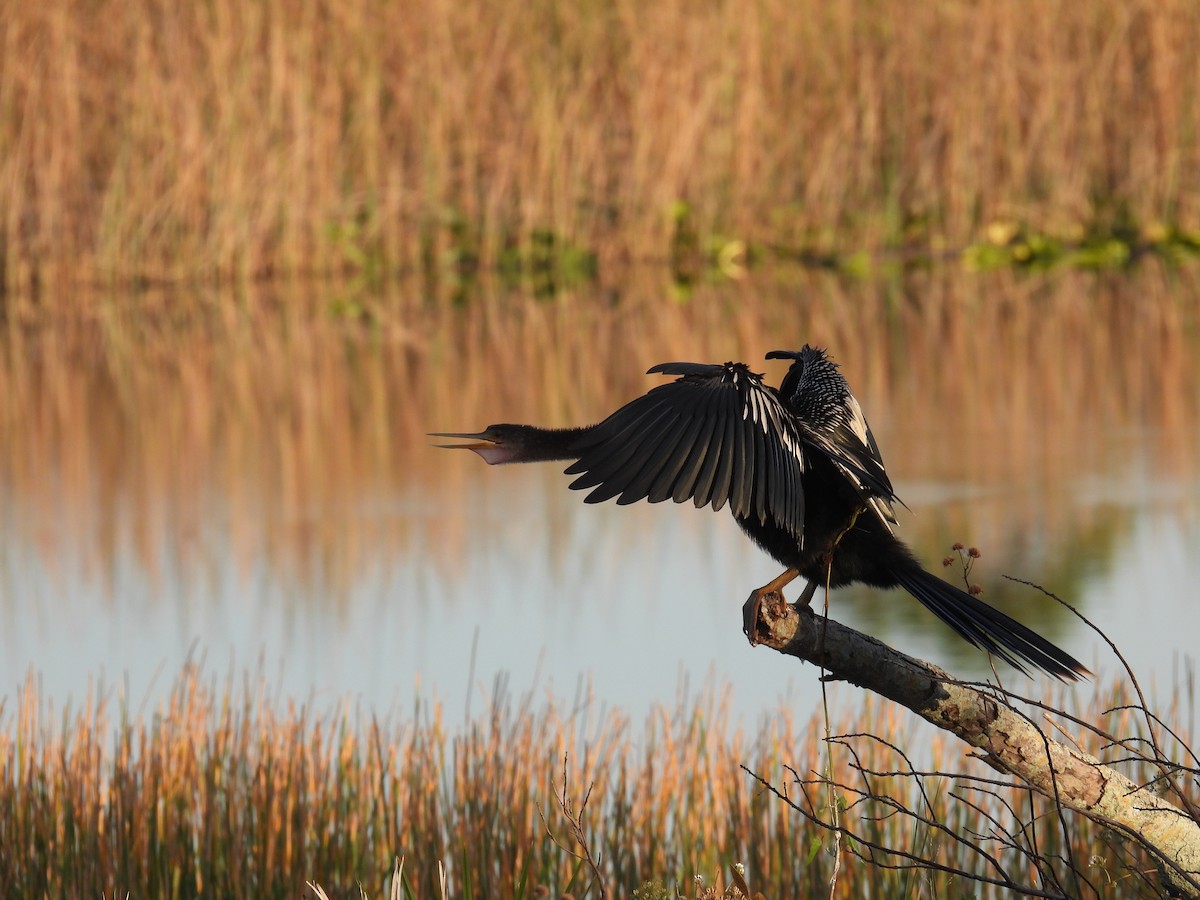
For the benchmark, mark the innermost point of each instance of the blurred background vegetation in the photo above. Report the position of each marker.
(150, 141)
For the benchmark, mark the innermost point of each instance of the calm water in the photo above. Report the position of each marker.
(251, 486)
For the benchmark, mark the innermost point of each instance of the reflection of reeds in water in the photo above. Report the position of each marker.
(157, 139)
(288, 436)
(219, 793)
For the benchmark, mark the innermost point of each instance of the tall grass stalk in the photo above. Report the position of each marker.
(229, 140)
(224, 792)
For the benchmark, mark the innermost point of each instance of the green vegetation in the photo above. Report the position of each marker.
(1112, 247)
(223, 792)
(153, 141)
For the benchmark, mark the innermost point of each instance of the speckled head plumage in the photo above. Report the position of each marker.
(814, 389)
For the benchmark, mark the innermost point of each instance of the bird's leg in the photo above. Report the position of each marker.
(805, 599)
(751, 607)
(828, 560)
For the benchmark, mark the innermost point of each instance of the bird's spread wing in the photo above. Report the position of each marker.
(715, 435)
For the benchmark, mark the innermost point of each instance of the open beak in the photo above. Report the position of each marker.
(480, 440)
(487, 444)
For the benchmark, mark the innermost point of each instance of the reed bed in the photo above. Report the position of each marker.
(150, 140)
(226, 790)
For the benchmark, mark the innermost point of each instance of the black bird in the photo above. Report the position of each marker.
(797, 465)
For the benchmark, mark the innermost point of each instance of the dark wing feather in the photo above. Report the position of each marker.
(695, 434)
(658, 474)
(706, 473)
(715, 435)
(617, 454)
(723, 476)
(701, 447)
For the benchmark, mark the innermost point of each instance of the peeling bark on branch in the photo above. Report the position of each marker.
(1005, 739)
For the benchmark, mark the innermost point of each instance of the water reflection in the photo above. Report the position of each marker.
(249, 478)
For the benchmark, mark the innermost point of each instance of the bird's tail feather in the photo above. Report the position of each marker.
(986, 627)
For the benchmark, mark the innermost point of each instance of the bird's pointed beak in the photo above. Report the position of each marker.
(479, 439)
(489, 446)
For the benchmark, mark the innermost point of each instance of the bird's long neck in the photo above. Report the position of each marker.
(547, 444)
(498, 445)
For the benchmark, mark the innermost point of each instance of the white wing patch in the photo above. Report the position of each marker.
(858, 422)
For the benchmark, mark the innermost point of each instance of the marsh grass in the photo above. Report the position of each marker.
(149, 140)
(226, 790)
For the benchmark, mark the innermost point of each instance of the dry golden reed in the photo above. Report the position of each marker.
(225, 790)
(160, 140)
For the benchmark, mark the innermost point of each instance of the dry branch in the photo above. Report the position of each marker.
(1005, 739)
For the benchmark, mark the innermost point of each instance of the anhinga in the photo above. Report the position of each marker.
(797, 465)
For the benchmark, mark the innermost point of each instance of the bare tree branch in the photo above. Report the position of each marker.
(1006, 739)
(575, 819)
